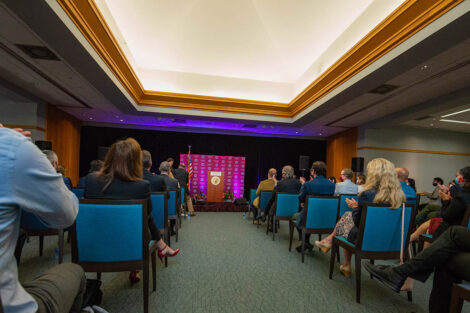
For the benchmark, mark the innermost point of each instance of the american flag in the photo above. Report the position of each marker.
(190, 169)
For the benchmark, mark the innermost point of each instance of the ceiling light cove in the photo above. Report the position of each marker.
(267, 50)
(454, 121)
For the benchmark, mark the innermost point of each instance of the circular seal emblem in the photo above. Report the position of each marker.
(215, 180)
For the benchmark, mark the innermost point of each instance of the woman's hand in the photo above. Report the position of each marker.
(352, 203)
(444, 195)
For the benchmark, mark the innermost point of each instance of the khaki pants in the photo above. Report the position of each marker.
(59, 290)
(189, 204)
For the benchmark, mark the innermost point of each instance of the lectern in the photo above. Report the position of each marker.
(215, 186)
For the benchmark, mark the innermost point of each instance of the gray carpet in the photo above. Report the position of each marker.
(226, 264)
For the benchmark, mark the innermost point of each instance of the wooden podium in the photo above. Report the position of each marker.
(215, 186)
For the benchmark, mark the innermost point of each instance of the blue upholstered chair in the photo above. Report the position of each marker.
(79, 192)
(160, 215)
(34, 227)
(378, 238)
(428, 237)
(343, 206)
(183, 203)
(113, 236)
(265, 196)
(287, 204)
(173, 210)
(252, 198)
(320, 218)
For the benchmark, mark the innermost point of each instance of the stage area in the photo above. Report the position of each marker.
(227, 264)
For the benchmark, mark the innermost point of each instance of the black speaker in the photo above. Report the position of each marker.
(102, 151)
(304, 161)
(357, 165)
(44, 145)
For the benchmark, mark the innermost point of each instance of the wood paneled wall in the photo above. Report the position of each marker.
(340, 149)
(63, 130)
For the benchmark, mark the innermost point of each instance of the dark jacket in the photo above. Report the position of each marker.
(81, 182)
(171, 183)
(182, 177)
(157, 183)
(318, 186)
(453, 211)
(290, 185)
(365, 197)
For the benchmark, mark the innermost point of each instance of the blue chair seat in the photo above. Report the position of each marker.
(343, 239)
(427, 235)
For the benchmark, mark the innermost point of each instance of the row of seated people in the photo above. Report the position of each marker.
(30, 182)
(386, 184)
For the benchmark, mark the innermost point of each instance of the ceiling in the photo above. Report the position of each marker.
(431, 77)
(248, 49)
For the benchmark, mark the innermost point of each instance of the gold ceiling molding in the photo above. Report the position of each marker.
(404, 22)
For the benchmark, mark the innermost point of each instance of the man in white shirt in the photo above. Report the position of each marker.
(347, 187)
(30, 183)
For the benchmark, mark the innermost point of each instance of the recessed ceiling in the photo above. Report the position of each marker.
(266, 50)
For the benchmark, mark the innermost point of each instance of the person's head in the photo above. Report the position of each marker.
(95, 166)
(332, 179)
(382, 177)
(412, 183)
(164, 167)
(62, 170)
(272, 173)
(437, 181)
(171, 161)
(459, 177)
(346, 173)
(146, 160)
(287, 172)
(182, 165)
(361, 179)
(402, 174)
(52, 157)
(123, 161)
(465, 172)
(318, 168)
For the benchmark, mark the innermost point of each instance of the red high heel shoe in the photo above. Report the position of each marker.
(161, 255)
(134, 277)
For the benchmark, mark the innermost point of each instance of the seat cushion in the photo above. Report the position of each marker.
(343, 239)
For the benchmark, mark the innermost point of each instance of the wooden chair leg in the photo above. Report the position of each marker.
(334, 250)
(371, 261)
(267, 226)
(61, 246)
(409, 294)
(319, 239)
(291, 235)
(358, 278)
(303, 245)
(176, 227)
(98, 275)
(456, 302)
(274, 226)
(146, 286)
(41, 244)
(154, 269)
(338, 255)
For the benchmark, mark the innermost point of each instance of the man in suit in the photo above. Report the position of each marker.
(288, 184)
(183, 177)
(95, 166)
(346, 187)
(319, 185)
(157, 182)
(265, 185)
(170, 183)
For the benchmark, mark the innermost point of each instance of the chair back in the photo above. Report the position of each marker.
(265, 197)
(79, 192)
(172, 202)
(182, 195)
(413, 201)
(380, 229)
(466, 217)
(343, 206)
(160, 208)
(253, 195)
(321, 212)
(110, 231)
(29, 221)
(287, 204)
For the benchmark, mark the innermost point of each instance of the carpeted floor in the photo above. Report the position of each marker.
(229, 265)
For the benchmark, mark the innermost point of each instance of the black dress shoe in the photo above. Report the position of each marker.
(308, 246)
(386, 275)
(263, 218)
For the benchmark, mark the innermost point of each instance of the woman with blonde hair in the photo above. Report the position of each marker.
(120, 178)
(382, 186)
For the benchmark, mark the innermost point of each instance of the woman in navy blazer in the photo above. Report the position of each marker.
(120, 178)
(382, 187)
